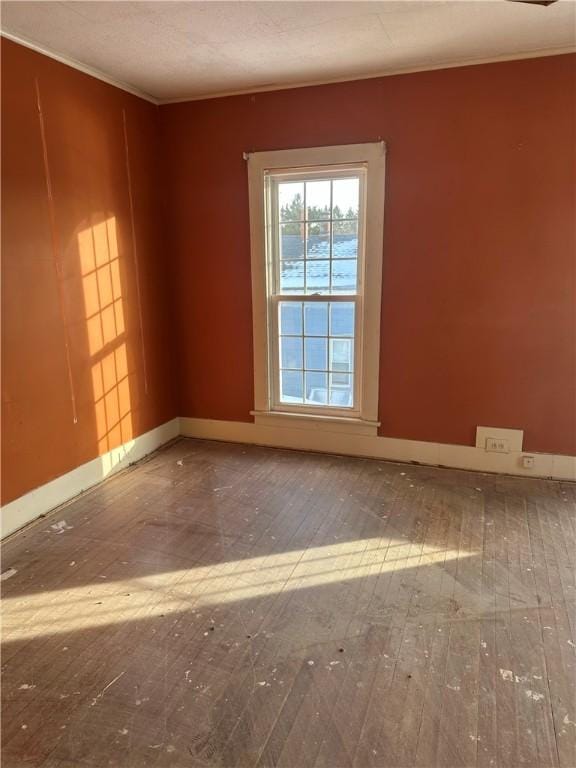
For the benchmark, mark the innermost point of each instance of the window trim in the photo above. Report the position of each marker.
(363, 420)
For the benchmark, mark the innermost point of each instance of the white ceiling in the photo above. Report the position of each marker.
(176, 50)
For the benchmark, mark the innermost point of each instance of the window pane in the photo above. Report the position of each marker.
(344, 277)
(291, 201)
(315, 353)
(292, 277)
(291, 387)
(318, 199)
(345, 198)
(317, 254)
(316, 388)
(291, 318)
(341, 355)
(342, 319)
(291, 352)
(317, 276)
(318, 240)
(292, 241)
(316, 319)
(341, 391)
(344, 239)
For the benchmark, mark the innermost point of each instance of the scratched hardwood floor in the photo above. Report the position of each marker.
(227, 605)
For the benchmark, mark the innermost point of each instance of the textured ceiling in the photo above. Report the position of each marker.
(177, 50)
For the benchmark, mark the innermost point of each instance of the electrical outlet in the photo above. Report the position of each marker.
(513, 438)
(528, 462)
(497, 445)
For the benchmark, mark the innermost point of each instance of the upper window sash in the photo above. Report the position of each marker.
(274, 224)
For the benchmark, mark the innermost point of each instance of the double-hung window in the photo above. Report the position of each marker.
(316, 232)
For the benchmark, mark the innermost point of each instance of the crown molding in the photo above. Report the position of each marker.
(87, 70)
(538, 53)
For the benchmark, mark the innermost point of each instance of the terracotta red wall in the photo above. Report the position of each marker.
(478, 299)
(91, 305)
(478, 321)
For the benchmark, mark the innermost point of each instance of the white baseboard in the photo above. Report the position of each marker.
(325, 440)
(41, 500)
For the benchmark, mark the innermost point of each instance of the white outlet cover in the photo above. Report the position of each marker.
(497, 445)
(515, 437)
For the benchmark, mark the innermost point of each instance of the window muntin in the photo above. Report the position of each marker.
(316, 224)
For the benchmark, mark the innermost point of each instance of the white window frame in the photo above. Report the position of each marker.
(363, 417)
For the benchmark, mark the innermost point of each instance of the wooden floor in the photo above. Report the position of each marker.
(226, 605)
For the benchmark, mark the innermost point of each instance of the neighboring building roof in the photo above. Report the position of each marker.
(344, 246)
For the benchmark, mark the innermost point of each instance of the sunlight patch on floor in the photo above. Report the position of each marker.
(145, 597)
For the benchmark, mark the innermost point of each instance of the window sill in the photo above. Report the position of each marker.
(320, 423)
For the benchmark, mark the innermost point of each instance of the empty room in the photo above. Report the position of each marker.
(288, 384)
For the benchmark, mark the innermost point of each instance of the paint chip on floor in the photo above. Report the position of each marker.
(60, 527)
(534, 696)
(8, 574)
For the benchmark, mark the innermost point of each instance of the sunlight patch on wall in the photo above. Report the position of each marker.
(106, 332)
(146, 597)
